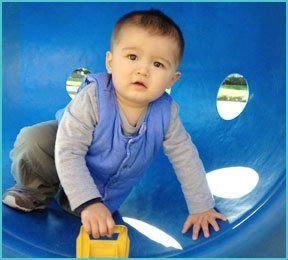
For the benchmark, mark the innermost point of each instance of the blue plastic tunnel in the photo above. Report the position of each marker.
(44, 42)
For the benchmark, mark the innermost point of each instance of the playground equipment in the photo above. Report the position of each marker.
(44, 42)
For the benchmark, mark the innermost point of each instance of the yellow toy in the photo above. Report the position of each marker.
(88, 247)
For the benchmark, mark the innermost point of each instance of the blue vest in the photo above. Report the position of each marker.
(116, 162)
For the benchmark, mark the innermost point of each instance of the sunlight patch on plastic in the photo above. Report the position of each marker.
(232, 182)
(153, 233)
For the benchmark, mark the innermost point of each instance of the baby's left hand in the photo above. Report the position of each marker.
(202, 221)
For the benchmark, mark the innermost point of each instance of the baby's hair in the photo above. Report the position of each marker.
(153, 21)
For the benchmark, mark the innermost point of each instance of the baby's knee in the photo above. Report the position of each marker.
(29, 135)
(37, 136)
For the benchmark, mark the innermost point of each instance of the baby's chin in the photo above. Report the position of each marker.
(139, 100)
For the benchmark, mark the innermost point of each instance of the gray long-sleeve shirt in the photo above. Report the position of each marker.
(75, 135)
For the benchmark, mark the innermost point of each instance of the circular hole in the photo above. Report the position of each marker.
(232, 96)
(75, 80)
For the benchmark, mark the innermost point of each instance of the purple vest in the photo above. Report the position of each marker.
(116, 162)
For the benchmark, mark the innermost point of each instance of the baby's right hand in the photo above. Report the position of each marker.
(97, 219)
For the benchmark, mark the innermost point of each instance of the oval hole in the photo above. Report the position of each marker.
(74, 81)
(232, 96)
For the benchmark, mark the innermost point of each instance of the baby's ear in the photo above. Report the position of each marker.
(109, 62)
(175, 77)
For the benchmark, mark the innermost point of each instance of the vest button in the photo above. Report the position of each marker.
(114, 181)
(125, 166)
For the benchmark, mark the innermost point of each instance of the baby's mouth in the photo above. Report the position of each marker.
(139, 84)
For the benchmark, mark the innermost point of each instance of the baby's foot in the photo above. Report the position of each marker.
(21, 201)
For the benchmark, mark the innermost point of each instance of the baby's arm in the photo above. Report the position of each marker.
(190, 172)
(73, 138)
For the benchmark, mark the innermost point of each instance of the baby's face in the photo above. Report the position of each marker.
(142, 65)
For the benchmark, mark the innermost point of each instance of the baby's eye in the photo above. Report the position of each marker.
(158, 64)
(132, 56)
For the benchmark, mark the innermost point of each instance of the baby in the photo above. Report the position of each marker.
(110, 133)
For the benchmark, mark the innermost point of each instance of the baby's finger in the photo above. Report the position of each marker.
(95, 229)
(103, 230)
(204, 226)
(86, 225)
(214, 224)
(110, 226)
(196, 229)
(188, 223)
(220, 216)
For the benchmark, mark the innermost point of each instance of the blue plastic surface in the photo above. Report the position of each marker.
(42, 45)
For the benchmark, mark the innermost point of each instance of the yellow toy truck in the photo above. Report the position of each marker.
(117, 246)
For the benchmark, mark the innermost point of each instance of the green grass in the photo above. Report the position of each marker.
(74, 82)
(237, 87)
(233, 93)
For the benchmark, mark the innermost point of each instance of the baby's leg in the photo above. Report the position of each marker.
(33, 168)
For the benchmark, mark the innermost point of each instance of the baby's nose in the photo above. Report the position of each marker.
(143, 71)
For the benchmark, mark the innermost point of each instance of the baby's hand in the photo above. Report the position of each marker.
(97, 219)
(201, 221)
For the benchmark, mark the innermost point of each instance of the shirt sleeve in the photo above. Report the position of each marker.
(187, 165)
(87, 203)
(73, 139)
